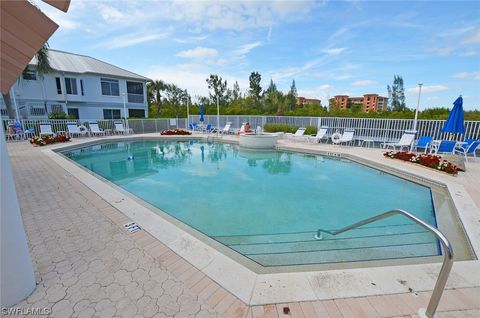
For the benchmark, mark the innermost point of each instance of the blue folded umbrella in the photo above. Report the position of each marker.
(202, 111)
(454, 123)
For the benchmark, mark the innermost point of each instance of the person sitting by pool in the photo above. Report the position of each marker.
(248, 128)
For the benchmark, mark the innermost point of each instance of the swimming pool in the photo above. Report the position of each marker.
(267, 206)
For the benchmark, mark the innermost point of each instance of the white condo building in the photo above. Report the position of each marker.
(82, 86)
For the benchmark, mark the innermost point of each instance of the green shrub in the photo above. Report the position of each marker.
(310, 130)
(286, 128)
(280, 128)
(58, 114)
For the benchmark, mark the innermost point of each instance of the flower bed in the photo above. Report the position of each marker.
(172, 132)
(428, 160)
(46, 140)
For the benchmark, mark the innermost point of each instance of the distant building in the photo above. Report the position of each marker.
(82, 87)
(369, 102)
(304, 101)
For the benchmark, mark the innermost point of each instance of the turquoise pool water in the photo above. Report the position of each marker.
(268, 205)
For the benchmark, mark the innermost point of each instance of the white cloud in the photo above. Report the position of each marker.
(461, 75)
(334, 51)
(130, 40)
(321, 92)
(472, 37)
(235, 15)
(470, 75)
(110, 14)
(245, 49)
(198, 53)
(442, 51)
(363, 83)
(193, 77)
(468, 53)
(428, 89)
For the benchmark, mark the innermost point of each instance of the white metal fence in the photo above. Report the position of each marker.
(139, 126)
(378, 129)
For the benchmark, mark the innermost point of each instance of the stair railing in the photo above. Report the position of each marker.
(447, 254)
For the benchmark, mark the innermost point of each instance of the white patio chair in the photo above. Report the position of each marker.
(321, 133)
(298, 135)
(95, 130)
(46, 129)
(73, 129)
(347, 136)
(226, 129)
(120, 129)
(405, 141)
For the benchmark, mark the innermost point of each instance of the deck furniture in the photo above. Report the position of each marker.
(321, 134)
(405, 141)
(46, 129)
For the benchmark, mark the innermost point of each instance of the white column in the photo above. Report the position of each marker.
(218, 116)
(16, 277)
(416, 113)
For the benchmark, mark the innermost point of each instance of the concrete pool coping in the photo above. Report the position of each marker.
(256, 289)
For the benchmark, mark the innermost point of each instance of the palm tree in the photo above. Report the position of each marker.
(43, 67)
(154, 91)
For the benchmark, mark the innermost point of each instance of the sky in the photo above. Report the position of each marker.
(328, 47)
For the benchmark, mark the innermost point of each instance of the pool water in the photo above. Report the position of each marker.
(267, 206)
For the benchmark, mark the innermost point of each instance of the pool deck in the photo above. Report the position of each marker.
(87, 265)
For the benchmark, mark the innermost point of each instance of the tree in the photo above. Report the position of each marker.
(43, 67)
(154, 94)
(291, 100)
(176, 96)
(293, 89)
(255, 88)
(219, 87)
(333, 105)
(236, 91)
(397, 94)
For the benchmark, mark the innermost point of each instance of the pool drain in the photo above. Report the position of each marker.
(132, 227)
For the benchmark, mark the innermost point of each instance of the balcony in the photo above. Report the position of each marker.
(135, 98)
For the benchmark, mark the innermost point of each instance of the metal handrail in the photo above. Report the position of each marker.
(447, 254)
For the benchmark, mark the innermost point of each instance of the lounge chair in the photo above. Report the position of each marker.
(120, 129)
(423, 142)
(95, 130)
(405, 141)
(73, 129)
(445, 146)
(321, 133)
(468, 149)
(226, 129)
(347, 136)
(46, 129)
(298, 135)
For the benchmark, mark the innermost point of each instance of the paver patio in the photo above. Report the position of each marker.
(87, 265)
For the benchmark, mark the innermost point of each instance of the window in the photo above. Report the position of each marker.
(111, 114)
(71, 86)
(73, 113)
(136, 113)
(110, 87)
(134, 88)
(135, 92)
(59, 85)
(81, 87)
(29, 75)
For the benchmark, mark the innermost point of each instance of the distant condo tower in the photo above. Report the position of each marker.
(369, 102)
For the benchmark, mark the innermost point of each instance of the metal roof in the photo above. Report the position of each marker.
(75, 63)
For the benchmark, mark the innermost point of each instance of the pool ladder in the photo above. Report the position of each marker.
(447, 254)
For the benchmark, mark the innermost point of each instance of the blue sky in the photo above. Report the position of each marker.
(328, 48)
